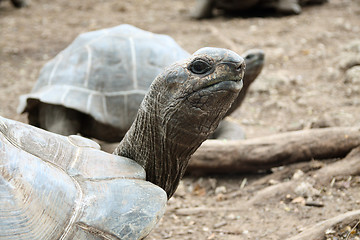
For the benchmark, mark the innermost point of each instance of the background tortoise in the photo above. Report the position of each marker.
(57, 187)
(204, 8)
(95, 86)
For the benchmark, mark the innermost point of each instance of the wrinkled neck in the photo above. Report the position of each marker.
(161, 147)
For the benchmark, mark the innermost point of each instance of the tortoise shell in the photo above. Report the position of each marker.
(104, 73)
(57, 187)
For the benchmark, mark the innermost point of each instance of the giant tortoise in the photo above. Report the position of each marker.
(95, 86)
(58, 187)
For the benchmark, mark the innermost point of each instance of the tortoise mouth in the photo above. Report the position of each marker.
(235, 79)
(233, 85)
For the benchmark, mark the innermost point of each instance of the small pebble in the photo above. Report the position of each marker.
(220, 189)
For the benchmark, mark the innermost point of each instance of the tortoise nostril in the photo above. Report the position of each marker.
(240, 67)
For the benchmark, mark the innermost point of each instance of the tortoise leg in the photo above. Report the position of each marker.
(33, 116)
(58, 119)
(101, 131)
(229, 130)
(19, 3)
(288, 7)
(203, 9)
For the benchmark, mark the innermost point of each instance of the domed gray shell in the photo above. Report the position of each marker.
(57, 187)
(105, 73)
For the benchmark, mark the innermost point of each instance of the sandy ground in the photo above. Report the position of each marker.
(301, 86)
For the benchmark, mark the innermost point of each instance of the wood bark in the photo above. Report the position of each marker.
(261, 154)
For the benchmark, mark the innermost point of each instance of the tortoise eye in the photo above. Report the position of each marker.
(199, 66)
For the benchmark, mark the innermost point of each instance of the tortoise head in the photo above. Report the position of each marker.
(182, 108)
(254, 59)
(197, 92)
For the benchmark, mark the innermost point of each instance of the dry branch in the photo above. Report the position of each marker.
(349, 166)
(252, 155)
(317, 231)
(202, 210)
(271, 192)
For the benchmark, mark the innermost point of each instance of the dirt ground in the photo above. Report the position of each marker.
(300, 87)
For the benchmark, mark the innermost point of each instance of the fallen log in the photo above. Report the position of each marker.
(264, 153)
